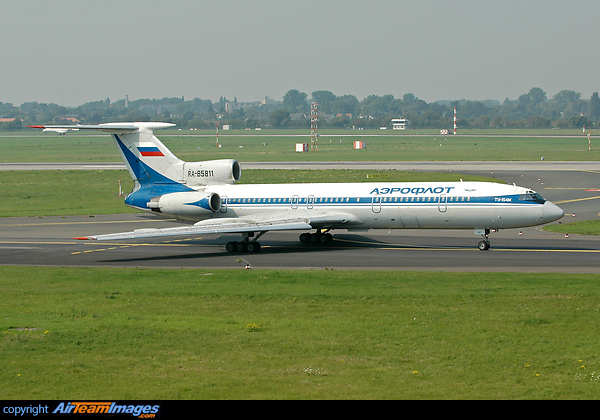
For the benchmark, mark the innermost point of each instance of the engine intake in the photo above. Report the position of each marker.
(222, 171)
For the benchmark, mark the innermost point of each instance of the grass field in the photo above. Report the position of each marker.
(95, 333)
(509, 145)
(584, 227)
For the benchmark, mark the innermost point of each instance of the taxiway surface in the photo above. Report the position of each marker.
(575, 186)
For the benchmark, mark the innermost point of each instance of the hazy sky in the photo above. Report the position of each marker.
(71, 52)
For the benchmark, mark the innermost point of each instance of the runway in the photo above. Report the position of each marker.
(46, 242)
(575, 187)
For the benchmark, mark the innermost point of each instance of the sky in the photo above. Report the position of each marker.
(71, 52)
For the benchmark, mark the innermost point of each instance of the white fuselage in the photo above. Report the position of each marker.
(410, 205)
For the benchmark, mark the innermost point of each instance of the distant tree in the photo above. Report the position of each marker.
(251, 123)
(474, 109)
(279, 118)
(346, 104)
(16, 124)
(413, 105)
(496, 121)
(566, 97)
(408, 98)
(537, 96)
(295, 101)
(595, 106)
(377, 106)
(537, 121)
(324, 99)
(339, 121)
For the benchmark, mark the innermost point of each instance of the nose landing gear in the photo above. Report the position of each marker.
(485, 244)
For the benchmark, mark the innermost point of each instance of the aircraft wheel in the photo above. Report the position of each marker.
(231, 246)
(253, 247)
(483, 246)
(322, 238)
(316, 238)
(240, 247)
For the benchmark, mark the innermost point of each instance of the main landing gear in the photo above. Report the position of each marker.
(252, 245)
(246, 245)
(485, 244)
(316, 238)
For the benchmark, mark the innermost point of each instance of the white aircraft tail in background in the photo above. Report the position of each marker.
(205, 194)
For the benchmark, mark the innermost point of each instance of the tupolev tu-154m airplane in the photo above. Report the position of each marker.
(204, 194)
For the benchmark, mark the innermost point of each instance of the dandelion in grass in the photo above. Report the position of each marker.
(252, 328)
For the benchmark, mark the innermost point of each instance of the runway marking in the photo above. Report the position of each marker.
(122, 246)
(577, 199)
(36, 243)
(399, 247)
(493, 249)
(387, 247)
(434, 248)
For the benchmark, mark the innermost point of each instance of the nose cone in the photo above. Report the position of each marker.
(552, 212)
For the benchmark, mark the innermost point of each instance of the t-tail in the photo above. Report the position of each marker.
(162, 180)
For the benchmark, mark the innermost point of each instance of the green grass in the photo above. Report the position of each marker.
(98, 333)
(64, 193)
(414, 145)
(585, 227)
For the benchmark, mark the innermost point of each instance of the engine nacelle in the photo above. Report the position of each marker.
(210, 172)
(193, 203)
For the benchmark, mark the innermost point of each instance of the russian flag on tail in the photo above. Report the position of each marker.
(150, 151)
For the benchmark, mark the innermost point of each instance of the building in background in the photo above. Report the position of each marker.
(400, 123)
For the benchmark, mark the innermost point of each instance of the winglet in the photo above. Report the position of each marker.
(84, 238)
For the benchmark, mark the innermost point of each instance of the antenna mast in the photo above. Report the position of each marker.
(314, 136)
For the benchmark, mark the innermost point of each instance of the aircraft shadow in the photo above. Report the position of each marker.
(340, 242)
(274, 248)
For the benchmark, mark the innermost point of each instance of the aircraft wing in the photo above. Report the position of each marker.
(233, 225)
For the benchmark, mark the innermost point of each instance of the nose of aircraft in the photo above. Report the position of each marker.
(552, 212)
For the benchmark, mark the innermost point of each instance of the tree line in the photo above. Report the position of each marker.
(533, 109)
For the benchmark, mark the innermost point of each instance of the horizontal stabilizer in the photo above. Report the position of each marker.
(110, 127)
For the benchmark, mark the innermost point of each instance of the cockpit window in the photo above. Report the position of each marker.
(532, 196)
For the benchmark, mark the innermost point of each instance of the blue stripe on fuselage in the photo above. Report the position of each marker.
(385, 201)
